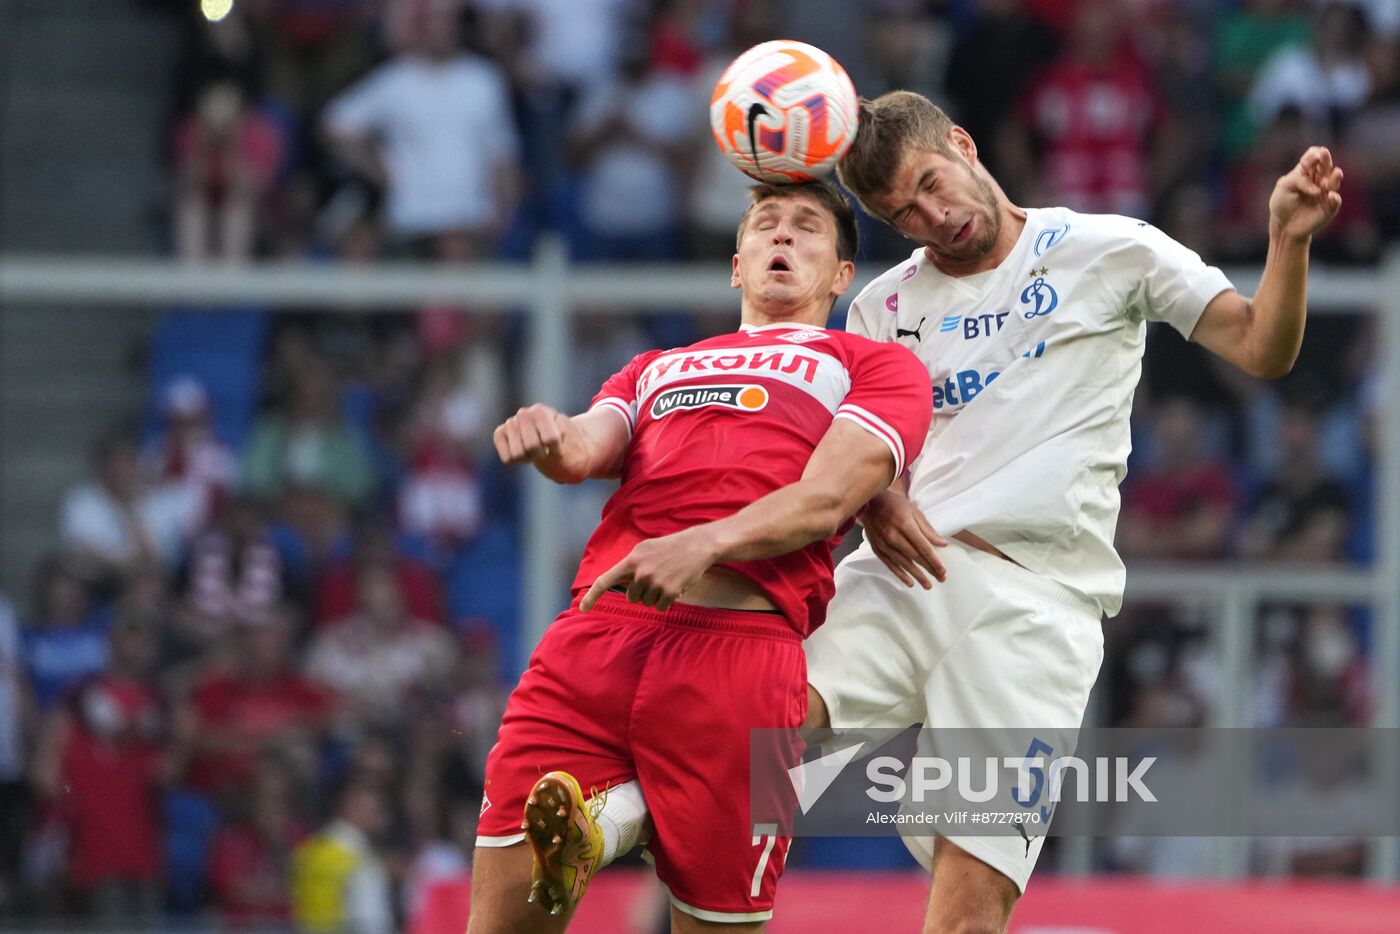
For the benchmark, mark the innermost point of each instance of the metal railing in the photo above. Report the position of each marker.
(549, 289)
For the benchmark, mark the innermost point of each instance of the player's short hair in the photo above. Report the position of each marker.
(888, 127)
(825, 194)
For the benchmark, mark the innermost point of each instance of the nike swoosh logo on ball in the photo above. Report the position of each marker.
(756, 110)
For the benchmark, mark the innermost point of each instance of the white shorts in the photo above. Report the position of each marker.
(994, 646)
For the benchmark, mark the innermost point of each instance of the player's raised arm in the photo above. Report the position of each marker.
(564, 449)
(1262, 335)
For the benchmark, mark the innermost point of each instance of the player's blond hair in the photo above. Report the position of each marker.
(888, 127)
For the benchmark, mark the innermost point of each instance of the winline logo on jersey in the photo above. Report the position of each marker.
(746, 398)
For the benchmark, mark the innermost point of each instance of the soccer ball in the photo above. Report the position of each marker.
(784, 111)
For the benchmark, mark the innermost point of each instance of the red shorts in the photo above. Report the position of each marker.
(624, 692)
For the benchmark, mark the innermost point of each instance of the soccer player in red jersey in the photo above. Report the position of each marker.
(743, 458)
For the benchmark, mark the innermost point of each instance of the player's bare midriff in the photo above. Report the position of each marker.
(981, 544)
(723, 589)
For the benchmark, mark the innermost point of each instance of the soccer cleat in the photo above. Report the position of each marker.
(563, 832)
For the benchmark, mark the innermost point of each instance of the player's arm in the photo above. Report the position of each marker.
(848, 466)
(902, 538)
(564, 449)
(1262, 335)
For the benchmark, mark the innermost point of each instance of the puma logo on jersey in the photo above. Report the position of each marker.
(905, 332)
(1025, 836)
(748, 398)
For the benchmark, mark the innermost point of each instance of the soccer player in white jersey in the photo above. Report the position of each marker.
(1032, 325)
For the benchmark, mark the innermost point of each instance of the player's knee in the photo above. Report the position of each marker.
(966, 895)
(817, 715)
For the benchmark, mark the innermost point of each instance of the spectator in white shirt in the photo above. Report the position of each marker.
(113, 523)
(433, 127)
(632, 140)
(188, 453)
(555, 50)
(1325, 80)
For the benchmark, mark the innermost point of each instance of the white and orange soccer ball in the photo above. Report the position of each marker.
(784, 111)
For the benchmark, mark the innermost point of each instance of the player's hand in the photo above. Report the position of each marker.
(902, 538)
(539, 435)
(1308, 197)
(658, 570)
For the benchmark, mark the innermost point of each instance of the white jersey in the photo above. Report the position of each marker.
(1034, 365)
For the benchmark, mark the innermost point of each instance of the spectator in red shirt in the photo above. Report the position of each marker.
(100, 766)
(338, 593)
(675, 28)
(440, 498)
(250, 862)
(260, 702)
(1353, 234)
(1327, 683)
(1181, 506)
(380, 656)
(226, 160)
(1086, 123)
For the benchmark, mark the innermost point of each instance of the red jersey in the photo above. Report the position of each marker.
(721, 423)
(111, 771)
(253, 713)
(1096, 126)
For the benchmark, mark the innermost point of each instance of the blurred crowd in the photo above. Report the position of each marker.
(272, 643)
(463, 129)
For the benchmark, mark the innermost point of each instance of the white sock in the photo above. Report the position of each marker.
(624, 819)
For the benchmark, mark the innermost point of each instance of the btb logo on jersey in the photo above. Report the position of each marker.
(974, 326)
(748, 398)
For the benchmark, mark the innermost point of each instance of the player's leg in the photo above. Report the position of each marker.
(569, 713)
(1021, 672)
(966, 896)
(500, 893)
(818, 717)
(624, 820)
